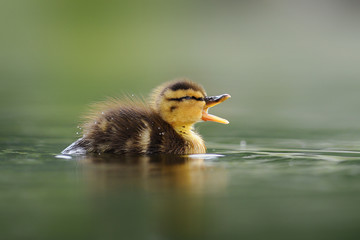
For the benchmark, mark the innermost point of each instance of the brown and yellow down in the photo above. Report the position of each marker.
(164, 125)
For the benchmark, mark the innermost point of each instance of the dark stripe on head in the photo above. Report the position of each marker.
(185, 85)
(181, 85)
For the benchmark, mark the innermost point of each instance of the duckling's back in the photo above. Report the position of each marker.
(128, 128)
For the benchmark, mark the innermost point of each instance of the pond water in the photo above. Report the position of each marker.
(269, 187)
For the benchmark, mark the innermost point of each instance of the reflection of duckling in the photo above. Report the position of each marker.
(163, 126)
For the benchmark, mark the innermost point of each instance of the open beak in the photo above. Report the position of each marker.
(210, 102)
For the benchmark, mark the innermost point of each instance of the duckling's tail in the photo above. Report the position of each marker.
(76, 148)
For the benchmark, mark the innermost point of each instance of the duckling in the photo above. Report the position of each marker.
(164, 125)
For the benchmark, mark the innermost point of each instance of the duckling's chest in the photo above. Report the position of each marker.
(194, 143)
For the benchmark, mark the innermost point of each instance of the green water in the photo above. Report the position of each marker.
(245, 187)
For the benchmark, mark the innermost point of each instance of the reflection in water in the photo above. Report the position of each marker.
(153, 173)
(165, 193)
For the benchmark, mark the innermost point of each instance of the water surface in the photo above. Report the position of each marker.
(273, 188)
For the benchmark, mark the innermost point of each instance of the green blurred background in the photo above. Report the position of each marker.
(292, 64)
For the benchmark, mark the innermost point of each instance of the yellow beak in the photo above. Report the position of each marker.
(210, 102)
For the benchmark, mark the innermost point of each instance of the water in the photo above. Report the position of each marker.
(273, 188)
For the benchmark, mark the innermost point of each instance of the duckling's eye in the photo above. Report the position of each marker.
(186, 98)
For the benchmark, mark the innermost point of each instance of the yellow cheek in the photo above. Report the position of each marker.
(185, 111)
(190, 111)
(193, 109)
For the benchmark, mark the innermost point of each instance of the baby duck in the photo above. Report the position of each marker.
(165, 125)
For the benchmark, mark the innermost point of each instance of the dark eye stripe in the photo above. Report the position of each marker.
(186, 98)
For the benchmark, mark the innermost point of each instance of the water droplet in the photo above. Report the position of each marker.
(102, 113)
(132, 95)
(159, 128)
(77, 132)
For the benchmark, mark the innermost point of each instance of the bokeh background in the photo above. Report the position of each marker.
(287, 64)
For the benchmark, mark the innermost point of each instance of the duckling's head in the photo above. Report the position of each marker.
(182, 103)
